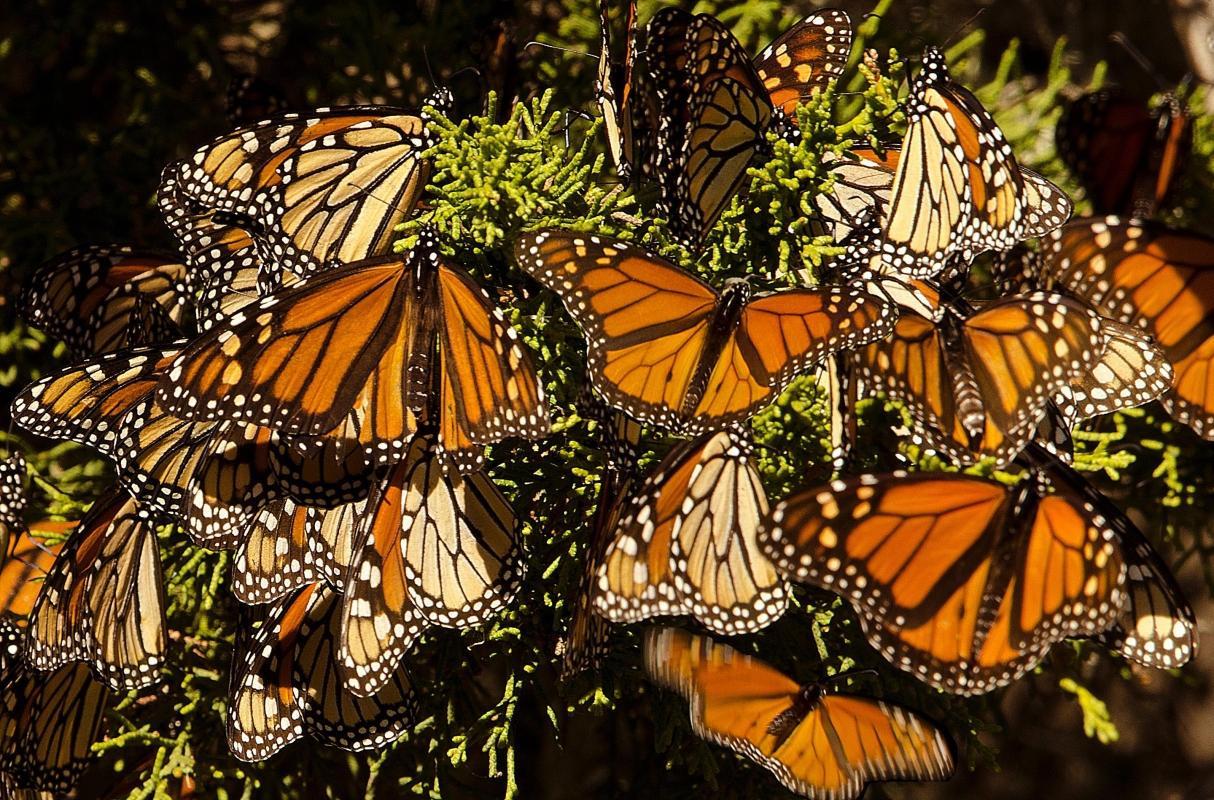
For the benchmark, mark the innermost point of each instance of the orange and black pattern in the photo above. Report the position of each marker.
(962, 581)
(818, 743)
(1158, 279)
(671, 351)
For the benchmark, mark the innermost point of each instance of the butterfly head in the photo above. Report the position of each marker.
(933, 68)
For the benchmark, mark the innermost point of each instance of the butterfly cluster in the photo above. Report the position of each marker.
(288, 388)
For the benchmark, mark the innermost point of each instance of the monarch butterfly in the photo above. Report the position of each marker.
(1126, 155)
(13, 500)
(434, 548)
(26, 560)
(327, 186)
(285, 684)
(47, 722)
(685, 542)
(103, 600)
(957, 189)
(1158, 279)
(670, 350)
(962, 581)
(225, 270)
(585, 642)
(817, 743)
(105, 298)
(613, 91)
(716, 105)
(291, 545)
(350, 354)
(977, 384)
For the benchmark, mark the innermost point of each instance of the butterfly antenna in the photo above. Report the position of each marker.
(840, 677)
(1140, 59)
(537, 43)
(962, 27)
(571, 114)
(429, 68)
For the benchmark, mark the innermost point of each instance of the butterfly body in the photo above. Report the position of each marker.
(964, 582)
(822, 745)
(655, 330)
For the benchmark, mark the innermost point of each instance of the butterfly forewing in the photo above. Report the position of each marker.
(810, 55)
(86, 403)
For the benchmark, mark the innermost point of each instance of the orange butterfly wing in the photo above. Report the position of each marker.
(1158, 279)
(646, 320)
(810, 55)
(490, 390)
(828, 747)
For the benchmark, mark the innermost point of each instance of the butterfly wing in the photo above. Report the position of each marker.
(213, 476)
(13, 500)
(810, 55)
(339, 196)
(461, 562)
(1132, 371)
(439, 549)
(1158, 279)
(275, 558)
(489, 390)
(614, 90)
(646, 320)
(86, 403)
(723, 578)
(685, 543)
(103, 600)
(730, 113)
(26, 562)
(1157, 628)
(48, 724)
(636, 578)
(93, 297)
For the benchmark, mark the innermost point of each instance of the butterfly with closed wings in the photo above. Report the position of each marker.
(702, 114)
